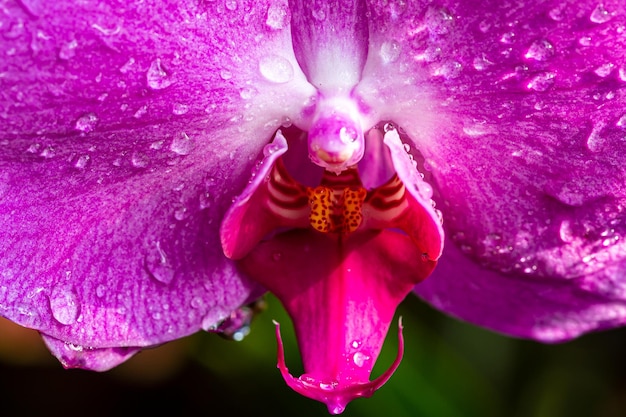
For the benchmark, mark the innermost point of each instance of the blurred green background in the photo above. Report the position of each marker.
(450, 369)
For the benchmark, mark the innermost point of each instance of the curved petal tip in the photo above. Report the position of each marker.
(336, 395)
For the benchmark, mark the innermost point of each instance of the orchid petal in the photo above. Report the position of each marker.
(126, 132)
(76, 356)
(330, 41)
(521, 125)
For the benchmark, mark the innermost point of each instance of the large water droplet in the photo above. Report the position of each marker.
(600, 14)
(438, 21)
(182, 144)
(565, 231)
(277, 16)
(390, 51)
(540, 50)
(64, 304)
(359, 359)
(156, 76)
(542, 81)
(158, 266)
(86, 123)
(68, 50)
(276, 69)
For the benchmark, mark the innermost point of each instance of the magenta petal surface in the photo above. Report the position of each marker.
(125, 133)
(519, 113)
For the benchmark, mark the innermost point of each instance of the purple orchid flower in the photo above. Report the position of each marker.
(164, 163)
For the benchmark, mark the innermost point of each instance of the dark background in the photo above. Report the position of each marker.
(450, 369)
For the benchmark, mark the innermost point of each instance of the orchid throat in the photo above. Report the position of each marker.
(340, 255)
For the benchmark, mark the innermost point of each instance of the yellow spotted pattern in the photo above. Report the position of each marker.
(336, 211)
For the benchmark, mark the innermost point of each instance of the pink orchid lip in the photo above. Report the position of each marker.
(339, 257)
(336, 395)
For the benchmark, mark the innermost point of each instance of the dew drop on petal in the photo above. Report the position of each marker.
(540, 50)
(82, 162)
(319, 14)
(156, 76)
(390, 51)
(277, 16)
(48, 152)
(205, 200)
(101, 291)
(179, 109)
(139, 159)
(438, 21)
(141, 111)
(621, 122)
(542, 81)
(600, 14)
(247, 93)
(226, 75)
(158, 266)
(86, 123)
(276, 69)
(64, 304)
(68, 50)
(359, 359)
(584, 40)
(622, 73)
(604, 70)
(182, 144)
(231, 5)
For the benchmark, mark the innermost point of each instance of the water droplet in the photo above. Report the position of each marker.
(86, 123)
(277, 16)
(64, 304)
(604, 70)
(584, 40)
(356, 344)
(139, 159)
(180, 213)
(600, 14)
(157, 265)
(542, 81)
(101, 290)
(595, 141)
(565, 231)
(507, 38)
(127, 66)
(448, 70)
(179, 109)
(247, 93)
(205, 200)
(481, 63)
(621, 122)
(197, 302)
(48, 152)
(231, 5)
(390, 51)
(276, 69)
(540, 50)
(141, 111)
(82, 161)
(68, 50)
(556, 14)
(359, 359)
(438, 21)
(622, 73)
(156, 76)
(226, 75)
(182, 144)
(319, 14)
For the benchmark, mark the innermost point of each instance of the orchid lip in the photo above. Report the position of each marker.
(336, 395)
